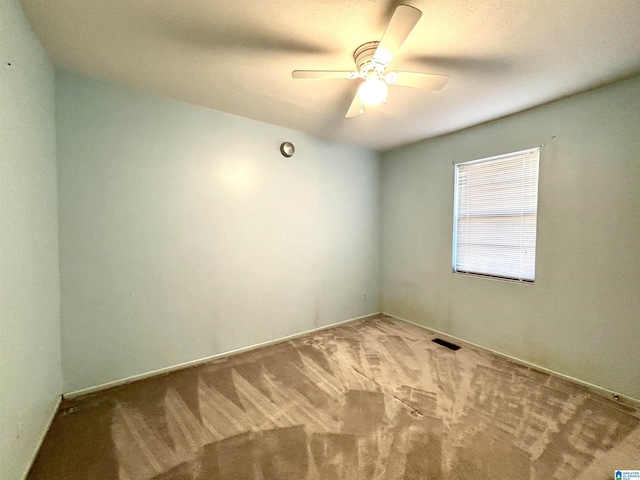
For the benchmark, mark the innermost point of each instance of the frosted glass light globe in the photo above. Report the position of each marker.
(373, 91)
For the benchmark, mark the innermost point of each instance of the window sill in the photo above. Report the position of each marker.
(494, 277)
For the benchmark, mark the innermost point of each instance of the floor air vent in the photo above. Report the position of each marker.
(444, 343)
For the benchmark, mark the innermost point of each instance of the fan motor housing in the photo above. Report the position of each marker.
(363, 56)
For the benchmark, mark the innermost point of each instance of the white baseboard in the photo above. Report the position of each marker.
(42, 437)
(615, 396)
(199, 361)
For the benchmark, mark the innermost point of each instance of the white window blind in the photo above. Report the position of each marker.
(496, 203)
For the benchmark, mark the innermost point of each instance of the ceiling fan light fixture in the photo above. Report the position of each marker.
(373, 91)
(372, 60)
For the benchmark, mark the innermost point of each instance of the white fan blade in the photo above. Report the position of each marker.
(314, 74)
(417, 80)
(399, 28)
(355, 108)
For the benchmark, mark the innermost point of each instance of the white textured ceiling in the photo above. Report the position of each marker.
(236, 56)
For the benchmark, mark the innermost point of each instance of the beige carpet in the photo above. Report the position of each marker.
(375, 399)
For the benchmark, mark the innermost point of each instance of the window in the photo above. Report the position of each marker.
(494, 228)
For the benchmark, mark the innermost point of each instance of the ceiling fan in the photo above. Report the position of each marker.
(372, 60)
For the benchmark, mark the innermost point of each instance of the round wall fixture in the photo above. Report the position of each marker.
(287, 149)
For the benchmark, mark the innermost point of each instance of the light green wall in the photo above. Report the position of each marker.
(580, 318)
(30, 372)
(185, 233)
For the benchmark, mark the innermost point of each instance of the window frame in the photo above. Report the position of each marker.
(454, 250)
